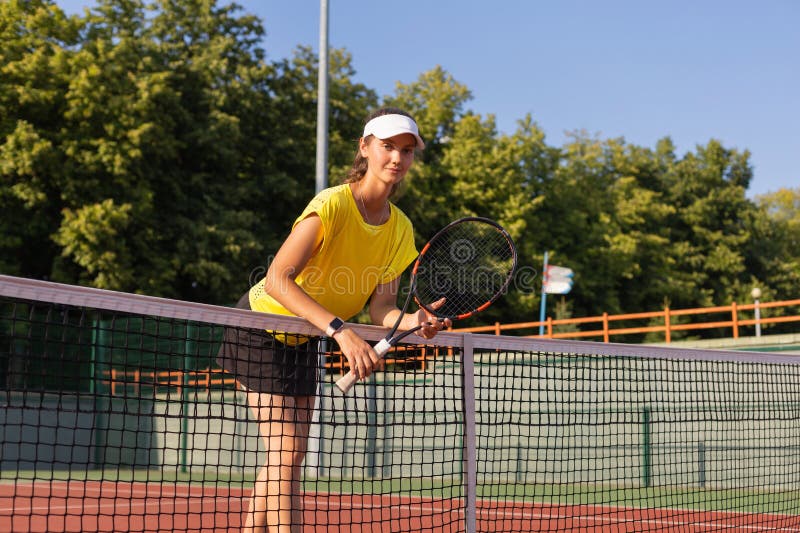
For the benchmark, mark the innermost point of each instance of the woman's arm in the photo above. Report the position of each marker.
(291, 259)
(293, 256)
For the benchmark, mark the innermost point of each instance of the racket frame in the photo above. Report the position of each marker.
(391, 339)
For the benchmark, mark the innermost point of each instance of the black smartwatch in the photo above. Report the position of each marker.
(334, 327)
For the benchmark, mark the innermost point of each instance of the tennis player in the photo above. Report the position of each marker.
(347, 248)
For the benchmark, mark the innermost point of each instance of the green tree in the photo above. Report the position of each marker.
(436, 100)
(468, 169)
(162, 154)
(708, 228)
(36, 43)
(783, 207)
(294, 94)
(773, 252)
(150, 147)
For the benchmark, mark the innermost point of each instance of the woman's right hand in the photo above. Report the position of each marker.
(360, 355)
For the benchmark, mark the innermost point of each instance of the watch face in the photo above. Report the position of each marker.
(335, 325)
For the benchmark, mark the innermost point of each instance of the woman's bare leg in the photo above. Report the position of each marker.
(275, 503)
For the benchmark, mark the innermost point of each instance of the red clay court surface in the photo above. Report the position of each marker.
(74, 506)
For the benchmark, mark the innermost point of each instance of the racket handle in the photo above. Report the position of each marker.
(346, 382)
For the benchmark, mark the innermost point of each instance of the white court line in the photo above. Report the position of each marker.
(672, 522)
(522, 514)
(118, 506)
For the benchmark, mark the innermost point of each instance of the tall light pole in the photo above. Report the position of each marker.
(756, 294)
(314, 465)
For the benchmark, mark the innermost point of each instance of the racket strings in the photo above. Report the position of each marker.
(469, 265)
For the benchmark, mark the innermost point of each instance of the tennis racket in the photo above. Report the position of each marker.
(461, 271)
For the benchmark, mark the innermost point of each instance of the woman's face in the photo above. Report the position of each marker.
(389, 159)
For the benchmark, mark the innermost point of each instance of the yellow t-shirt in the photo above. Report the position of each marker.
(354, 258)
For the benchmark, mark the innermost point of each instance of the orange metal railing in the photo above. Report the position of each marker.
(122, 382)
(127, 381)
(732, 316)
(403, 355)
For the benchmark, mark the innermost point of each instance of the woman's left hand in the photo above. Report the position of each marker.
(431, 324)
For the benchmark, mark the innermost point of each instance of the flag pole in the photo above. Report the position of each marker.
(543, 305)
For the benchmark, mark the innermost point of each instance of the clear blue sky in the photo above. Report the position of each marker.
(688, 69)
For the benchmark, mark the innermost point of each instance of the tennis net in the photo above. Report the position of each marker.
(117, 417)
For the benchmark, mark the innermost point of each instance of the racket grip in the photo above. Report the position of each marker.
(346, 382)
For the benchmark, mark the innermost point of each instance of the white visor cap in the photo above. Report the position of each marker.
(386, 126)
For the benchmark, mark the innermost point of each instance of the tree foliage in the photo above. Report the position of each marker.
(153, 148)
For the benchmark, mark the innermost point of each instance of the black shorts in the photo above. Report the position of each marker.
(263, 364)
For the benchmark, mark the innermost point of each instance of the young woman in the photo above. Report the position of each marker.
(348, 247)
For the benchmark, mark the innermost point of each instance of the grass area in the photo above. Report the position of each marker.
(417, 487)
(426, 488)
(129, 475)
